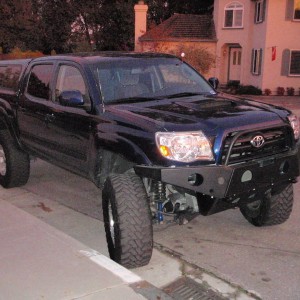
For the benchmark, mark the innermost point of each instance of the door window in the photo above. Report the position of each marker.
(39, 81)
(70, 79)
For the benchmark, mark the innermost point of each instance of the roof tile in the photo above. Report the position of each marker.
(182, 27)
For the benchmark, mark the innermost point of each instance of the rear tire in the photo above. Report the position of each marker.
(273, 209)
(127, 220)
(14, 163)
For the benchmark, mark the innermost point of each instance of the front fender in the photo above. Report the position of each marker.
(124, 147)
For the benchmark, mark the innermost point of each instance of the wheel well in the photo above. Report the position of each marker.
(109, 162)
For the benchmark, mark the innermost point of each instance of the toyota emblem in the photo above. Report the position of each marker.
(257, 141)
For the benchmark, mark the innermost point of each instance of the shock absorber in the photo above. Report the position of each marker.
(159, 197)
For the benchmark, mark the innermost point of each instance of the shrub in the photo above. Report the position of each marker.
(18, 53)
(199, 57)
(248, 90)
(290, 91)
(280, 91)
(233, 84)
(267, 92)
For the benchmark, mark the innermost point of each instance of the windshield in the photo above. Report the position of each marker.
(142, 79)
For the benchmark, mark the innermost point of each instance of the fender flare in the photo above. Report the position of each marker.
(8, 121)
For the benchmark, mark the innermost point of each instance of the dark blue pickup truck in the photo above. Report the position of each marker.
(155, 136)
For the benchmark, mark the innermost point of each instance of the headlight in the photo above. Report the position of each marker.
(184, 146)
(294, 121)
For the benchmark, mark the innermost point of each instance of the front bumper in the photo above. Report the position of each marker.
(228, 181)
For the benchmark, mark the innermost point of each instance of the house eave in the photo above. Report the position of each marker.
(142, 40)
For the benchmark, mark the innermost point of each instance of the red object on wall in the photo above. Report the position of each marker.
(273, 53)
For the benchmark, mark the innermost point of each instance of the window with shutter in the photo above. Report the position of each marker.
(256, 61)
(260, 7)
(295, 63)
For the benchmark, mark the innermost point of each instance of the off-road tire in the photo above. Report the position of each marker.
(130, 240)
(17, 162)
(273, 209)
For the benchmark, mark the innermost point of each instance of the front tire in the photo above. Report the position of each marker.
(127, 220)
(14, 163)
(272, 209)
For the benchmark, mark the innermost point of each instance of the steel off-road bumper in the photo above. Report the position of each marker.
(229, 181)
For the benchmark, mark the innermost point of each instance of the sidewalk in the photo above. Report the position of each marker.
(38, 261)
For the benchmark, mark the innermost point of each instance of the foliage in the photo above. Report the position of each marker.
(280, 91)
(248, 90)
(17, 53)
(198, 57)
(103, 25)
(290, 91)
(160, 10)
(76, 25)
(267, 92)
(233, 84)
(16, 23)
(54, 19)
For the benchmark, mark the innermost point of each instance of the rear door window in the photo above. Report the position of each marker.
(9, 76)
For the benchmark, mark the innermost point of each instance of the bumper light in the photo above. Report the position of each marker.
(294, 121)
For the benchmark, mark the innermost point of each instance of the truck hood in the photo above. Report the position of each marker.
(208, 113)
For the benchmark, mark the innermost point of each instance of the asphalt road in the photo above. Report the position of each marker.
(265, 261)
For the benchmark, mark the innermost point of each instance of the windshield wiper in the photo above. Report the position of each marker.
(185, 94)
(132, 99)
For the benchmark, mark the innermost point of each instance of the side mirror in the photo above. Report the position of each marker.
(71, 98)
(214, 82)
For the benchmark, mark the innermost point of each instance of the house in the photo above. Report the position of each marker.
(255, 42)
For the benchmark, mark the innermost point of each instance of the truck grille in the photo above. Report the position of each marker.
(237, 146)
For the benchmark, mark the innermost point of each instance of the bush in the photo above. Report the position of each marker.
(248, 90)
(233, 84)
(280, 91)
(267, 92)
(17, 53)
(290, 91)
(198, 57)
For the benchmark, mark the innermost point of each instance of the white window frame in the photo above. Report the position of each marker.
(259, 11)
(290, 62)
(235, 7)
(296, 6)
(256, 61)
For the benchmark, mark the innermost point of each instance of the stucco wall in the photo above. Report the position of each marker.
(276, 30)
(283, 33)
(231, 36)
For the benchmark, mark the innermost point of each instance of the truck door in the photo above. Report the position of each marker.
(58, 133)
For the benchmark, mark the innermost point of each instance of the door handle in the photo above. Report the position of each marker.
(49, 118)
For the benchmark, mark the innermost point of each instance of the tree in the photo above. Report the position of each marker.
(53, 19)
(16, 22)
(104, 25)
(160, 10)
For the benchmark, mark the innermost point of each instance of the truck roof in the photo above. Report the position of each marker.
(88, 56)
(107, 55)
(23, 62)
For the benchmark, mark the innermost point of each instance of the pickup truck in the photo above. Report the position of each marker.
(159, 141)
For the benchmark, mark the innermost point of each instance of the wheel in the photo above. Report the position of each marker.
(14, 163)
(273, 209)
(127, 220)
